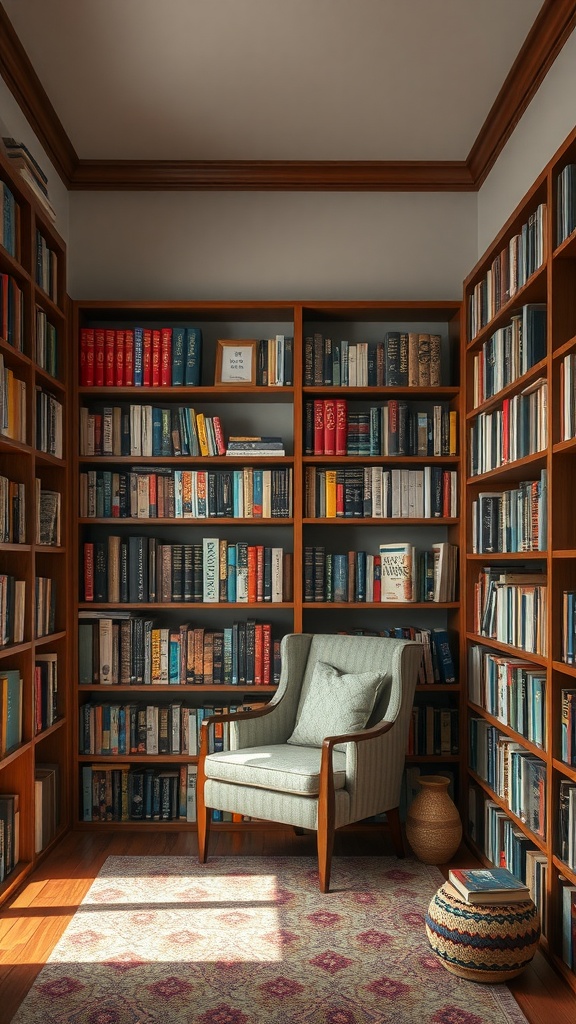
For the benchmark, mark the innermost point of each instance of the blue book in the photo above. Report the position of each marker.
(138, 344)
(156, 431)
(360, 594)
(193, 367)
(122, 730)
(340, 577)
(174, 660)
(178, 343)
(488, 885)
(444, 658)
(231, 583)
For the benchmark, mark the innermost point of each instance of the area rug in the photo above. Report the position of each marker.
(163, 940)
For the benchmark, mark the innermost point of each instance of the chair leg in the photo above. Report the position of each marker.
(393, 817)
(325, 839)
(203, 818)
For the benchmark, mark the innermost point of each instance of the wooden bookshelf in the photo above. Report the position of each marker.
(277, 410)
(24, 462)
(552, 283)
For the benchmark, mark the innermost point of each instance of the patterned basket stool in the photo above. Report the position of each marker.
(481, 942)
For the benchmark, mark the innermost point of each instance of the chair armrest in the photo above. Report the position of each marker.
(233, 716)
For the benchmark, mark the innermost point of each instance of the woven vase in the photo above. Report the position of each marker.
(433, 826)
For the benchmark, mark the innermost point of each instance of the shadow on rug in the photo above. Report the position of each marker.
(163, 940)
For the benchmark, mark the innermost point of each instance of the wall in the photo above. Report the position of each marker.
(548, 120)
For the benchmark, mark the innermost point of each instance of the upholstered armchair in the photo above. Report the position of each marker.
(328, 749)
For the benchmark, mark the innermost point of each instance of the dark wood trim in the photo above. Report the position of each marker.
(551, 29)
(548, 34)
(20, 77)
(273, 175)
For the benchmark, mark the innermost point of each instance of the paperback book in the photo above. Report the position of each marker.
(488, 885)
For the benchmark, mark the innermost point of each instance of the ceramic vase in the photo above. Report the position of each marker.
(433, 826)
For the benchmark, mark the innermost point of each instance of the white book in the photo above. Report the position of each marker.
(192, 775)
(151, 729)
(211, 561)
(277, 567)
(143, 491)
(136, 430)
(107, 422)
(146, 428)
(164, 655)
(397, 568)
(105, 651)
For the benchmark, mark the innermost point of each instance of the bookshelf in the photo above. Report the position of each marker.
(519, 530)
(34, 551)
(243, 410)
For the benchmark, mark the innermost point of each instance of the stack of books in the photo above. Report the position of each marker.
(247, 447)
(32, 173)
(488, 886)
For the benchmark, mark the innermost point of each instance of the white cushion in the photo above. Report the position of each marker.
(335, 703)
(278, 767)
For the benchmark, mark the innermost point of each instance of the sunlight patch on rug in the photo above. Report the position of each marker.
(251, 940)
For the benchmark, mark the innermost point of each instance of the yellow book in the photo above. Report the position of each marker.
(331, 494)
(155, 669)
(453, 432)
(202, 437)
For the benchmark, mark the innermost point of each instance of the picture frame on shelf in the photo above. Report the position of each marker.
(236, 361)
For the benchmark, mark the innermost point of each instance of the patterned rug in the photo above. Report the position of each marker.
(163, 940)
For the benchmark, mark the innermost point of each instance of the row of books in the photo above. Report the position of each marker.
(568, 726)
(45, 691)
(437, 665)
(127, 650)
(12, 603)
(394, 428)
(11, 709)
(12, 511)
(433, 730)
(507, 846)
(9, 221)
(144, 569)
(49, 416)
(376, 493)
(125, 793)
(397, 574)
(402, 359)
(508, 272)
(152, 729)
(12, 404)
(510, 605)
(510, 352)
(247, 493)
(48, 515)
(519, 427)
(44, 606)
(47, 345)
(142, 356)
(511, 520)
(9, 833)
(275, 361)
(46, 267)
(149, 430)
(510, 689)
(565, 203)
(567, 822)
(568, 397)
(515, 774)
(11, 311)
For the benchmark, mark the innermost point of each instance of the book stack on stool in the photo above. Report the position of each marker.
(483, 925)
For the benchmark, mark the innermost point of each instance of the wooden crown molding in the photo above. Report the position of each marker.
(550, 31)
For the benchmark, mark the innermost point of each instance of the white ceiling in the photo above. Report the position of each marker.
(272, 79)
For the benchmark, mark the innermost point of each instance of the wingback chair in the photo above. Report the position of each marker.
(328, 749)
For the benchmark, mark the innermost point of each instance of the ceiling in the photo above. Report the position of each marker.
(277, 93)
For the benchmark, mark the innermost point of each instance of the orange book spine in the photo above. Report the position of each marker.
(252, 574)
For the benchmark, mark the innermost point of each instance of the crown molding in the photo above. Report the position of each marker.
(551, 29)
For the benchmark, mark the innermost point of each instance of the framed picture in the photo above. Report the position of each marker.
(235, 362)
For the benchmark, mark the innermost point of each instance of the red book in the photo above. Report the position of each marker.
(166, 356)
(252, 573)
(318, 426)
(129, 359)
(97, 433)
(87, 365)
(341, 426)
(329, 426)
(109, 352)
(258, 654)
(152, 495)
(259, 572)
(146, 357)
(266, 653)
(156, 357)
(120, 356)
(99, 357)
(377, 578)
(88, 572)
(219, 435)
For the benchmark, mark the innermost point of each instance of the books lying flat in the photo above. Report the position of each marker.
(488, 885)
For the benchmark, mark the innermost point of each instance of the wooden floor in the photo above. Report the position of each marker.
(34, 919)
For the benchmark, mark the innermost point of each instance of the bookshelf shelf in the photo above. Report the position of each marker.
(534, 838)
(564, 769)
(512, 471)
(507, 730)
(521, 382)
(517, 652)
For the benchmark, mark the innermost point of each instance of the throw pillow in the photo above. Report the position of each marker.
(336, 702)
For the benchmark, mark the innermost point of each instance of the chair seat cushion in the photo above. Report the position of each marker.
(282, 767)
(334, 704)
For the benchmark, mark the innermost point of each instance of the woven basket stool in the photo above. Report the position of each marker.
(482, 943)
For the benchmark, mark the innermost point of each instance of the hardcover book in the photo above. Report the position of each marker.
(488, 885)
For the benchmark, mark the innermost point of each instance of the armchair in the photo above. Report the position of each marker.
(328, 750)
